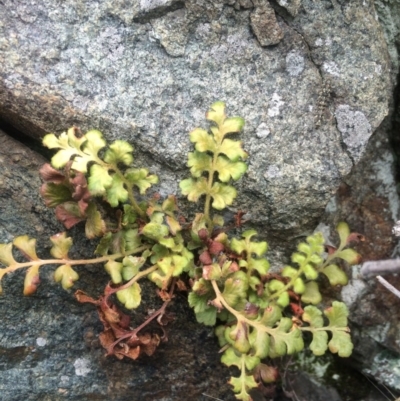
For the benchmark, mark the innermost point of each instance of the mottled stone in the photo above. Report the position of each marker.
(368, 201)
(172, 32)
(148, 71)
(140, 10)
(292, 6)
(265, 25)
(295, 63)
(244, 4)
(355, 130)
(388, 12)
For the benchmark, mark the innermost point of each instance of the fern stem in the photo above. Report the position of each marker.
(324, 328)
(210, 182)
(290, 283)
(243, 373)
(129, 188)
(70, 262)
(237, 314)
(134, 279)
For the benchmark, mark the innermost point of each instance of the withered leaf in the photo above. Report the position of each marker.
(133, 353)
(83, 298)
(330, 249)
(215, 247)
(81, 192)
(181, 286)
(69, 214)
(110, 314)
(106, 338)
(164, 295)
(50, 174)
(205, 258)
(355, 237)
(118, 338)
(150, 346)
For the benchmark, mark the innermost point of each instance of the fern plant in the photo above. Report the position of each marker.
(258, 315)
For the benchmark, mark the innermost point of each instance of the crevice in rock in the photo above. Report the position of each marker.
(394, 136)
(146, 15)
(348, 153)
(287, 18)
(26, 140)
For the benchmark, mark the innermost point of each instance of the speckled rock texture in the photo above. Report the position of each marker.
(368, 200)
(147, 71)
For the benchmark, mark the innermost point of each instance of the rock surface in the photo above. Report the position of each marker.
(147, 71)
(368, 200)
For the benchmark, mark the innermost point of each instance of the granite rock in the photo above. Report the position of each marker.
(146, 71)
(368, 201)
(264, 24)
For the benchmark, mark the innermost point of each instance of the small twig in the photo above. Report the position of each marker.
(157, 313)
(388, 286)
(380, 389)
(210, 396)
(379, 267)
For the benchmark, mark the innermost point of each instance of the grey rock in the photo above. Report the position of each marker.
(244, 4)
(149, 9)
(355, 130)
(264, 24)
(172, 31)
(300, 387)
(148, 71)
(291, 5)
(295, 63)
(140, 10)
(369, 202)
(388, 13)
